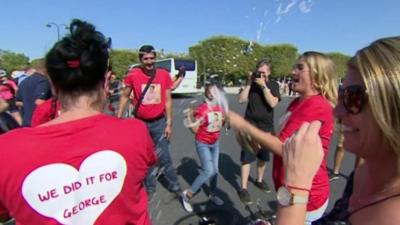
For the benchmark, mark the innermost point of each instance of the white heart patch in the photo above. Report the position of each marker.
(76, 197)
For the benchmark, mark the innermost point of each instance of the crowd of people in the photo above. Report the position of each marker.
(79, 165)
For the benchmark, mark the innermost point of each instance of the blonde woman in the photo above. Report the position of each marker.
(369, 107)
(314, 79)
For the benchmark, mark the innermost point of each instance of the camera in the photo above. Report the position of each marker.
(256, 74)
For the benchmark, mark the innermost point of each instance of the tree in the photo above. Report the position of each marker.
(122, 59)
(35, 62)
(11, 60)
(226, 56)
(340, 61)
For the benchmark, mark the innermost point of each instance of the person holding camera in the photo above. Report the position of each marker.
(262, 95)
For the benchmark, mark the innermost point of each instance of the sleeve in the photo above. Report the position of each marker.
(275, 90)
(199, 112)
(307, 113)
(42, 90)
(128, 80)
(40, 115)
(168, 81)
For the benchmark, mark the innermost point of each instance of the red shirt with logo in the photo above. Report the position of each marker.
(211, 121)
(311, 109)
(153, 104)
(45, 112)
(81, 172)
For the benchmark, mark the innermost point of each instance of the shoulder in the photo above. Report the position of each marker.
(134, 71)
(163, 72)
(202, 107)
(162, 69)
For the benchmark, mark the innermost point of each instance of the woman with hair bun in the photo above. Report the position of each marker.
(83, 167)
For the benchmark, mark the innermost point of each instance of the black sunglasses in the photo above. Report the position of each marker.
(353, 98)
(298, 66)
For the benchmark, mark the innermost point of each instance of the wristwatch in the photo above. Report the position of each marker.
(287, 198)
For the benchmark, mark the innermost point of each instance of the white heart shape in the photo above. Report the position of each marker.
(49, 189)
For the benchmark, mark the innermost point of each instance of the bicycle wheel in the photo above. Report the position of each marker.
(208, 217)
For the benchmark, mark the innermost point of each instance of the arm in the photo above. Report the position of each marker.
(42, 91)
(176, 82)
(3, 105)
(123, 100)
(269, 97)
(244, 95)
(196, 125)
(168, 114)
(303, 155)
(266, 140)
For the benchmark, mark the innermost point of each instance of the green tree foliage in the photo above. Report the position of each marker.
(11, 60)
(340, 62)
(122, 59)
(225, 56)
(35, 62)
(282, 58)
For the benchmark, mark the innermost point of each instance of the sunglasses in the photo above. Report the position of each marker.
(298, 66)
(353, 98)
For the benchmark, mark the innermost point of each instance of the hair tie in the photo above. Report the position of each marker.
(73, 64)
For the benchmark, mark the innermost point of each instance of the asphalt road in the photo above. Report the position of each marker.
(166, 209)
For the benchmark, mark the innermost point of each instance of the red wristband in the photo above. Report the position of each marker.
(298, 188)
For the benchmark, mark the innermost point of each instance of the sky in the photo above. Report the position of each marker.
(318, 25)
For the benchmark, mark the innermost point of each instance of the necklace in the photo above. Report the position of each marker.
(372, 203)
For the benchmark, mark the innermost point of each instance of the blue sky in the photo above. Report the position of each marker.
(319, 25)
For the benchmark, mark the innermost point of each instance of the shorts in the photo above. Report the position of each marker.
(12, 107)
(264, 154)
(248, 157)
(340, 136)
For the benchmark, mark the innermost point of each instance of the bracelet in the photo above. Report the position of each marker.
(298, 188)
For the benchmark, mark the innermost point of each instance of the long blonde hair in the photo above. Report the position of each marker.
(379, 66)
(323, 74)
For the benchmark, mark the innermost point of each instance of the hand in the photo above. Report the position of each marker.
(246, 141)
(168, 131)
(302, 155)
(182, 71)
(260, 82)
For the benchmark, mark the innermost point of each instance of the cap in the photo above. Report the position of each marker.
(17, 73)
(3, 73)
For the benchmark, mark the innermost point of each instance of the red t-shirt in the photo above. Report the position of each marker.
(313, 108)
(153, 104)
(86, 171)
(211, 120)
(45, 112)
(8, 89)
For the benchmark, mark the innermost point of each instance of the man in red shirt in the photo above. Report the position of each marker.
(155, 109)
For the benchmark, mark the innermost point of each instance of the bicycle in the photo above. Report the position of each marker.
(208, 217)
(260, 217)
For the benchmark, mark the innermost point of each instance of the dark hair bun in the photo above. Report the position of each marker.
(79, 61)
